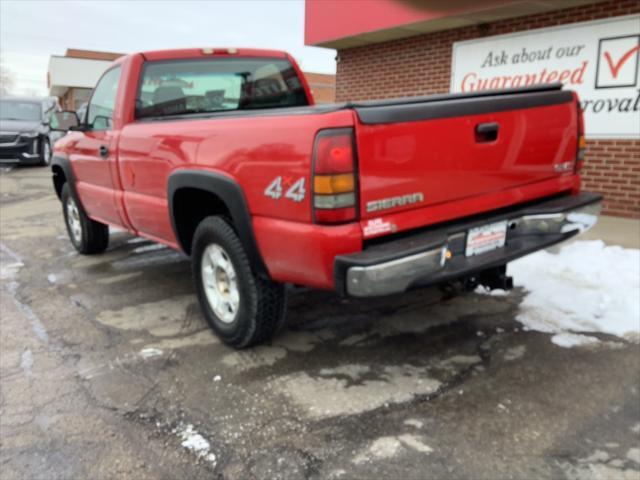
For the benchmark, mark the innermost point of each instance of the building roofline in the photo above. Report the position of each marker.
(395, 22)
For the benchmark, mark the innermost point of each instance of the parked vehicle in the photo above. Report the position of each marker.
(25, 133)
(222, 154)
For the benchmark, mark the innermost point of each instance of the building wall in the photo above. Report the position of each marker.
(323, 86)
(73, 98)
(66, 100)
(422, 65)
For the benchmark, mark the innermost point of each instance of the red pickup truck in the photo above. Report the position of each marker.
(222, 154)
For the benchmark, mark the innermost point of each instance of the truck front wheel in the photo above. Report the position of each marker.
(86, 235)
(241, 307)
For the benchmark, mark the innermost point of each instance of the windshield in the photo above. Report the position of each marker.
(212, 85)
(20, 110)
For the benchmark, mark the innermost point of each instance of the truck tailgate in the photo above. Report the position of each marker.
(415, 153)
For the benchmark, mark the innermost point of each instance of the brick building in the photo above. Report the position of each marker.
(390, 49)
(323, 86)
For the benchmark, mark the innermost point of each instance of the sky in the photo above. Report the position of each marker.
(32, 30)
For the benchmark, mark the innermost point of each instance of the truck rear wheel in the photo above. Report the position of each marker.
(241, 307)
(86, 235)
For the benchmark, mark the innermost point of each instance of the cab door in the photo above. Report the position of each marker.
(94, 155)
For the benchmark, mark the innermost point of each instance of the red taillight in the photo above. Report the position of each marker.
(333, 152)
(334, 178)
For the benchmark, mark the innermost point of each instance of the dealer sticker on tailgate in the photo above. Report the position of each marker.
(486, 238)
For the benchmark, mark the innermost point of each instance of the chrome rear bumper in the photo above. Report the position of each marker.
(400, 264)
(395, 275)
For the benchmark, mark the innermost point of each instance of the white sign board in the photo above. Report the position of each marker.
(600, 60)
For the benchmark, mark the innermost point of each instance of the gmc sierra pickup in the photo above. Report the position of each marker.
(222, 154)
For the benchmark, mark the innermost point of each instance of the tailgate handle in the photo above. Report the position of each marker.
(487, 132)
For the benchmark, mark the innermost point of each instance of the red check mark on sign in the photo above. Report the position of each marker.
(615, 67)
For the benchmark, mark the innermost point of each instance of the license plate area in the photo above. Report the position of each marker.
(486, 238)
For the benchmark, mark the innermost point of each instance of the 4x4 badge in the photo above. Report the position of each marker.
(295, 192)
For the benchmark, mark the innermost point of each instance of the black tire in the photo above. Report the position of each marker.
(93, 237)
(45, 151)
(262, 302)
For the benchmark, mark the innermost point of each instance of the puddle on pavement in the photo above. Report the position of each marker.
(351, 389)
(329, 395)
(202, 338)
(256, 357)
(118, 278)
(164, 318)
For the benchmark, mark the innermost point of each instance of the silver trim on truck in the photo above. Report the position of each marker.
(398, 275)
(581, 219)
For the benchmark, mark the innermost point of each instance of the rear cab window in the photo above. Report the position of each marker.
(180, 87)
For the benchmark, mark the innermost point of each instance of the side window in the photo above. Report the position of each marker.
(103, 100)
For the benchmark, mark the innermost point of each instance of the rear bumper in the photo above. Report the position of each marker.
(421, 258)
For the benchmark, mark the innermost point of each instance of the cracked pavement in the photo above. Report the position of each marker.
(107, 370)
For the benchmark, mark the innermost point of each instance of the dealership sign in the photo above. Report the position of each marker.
(599, 60)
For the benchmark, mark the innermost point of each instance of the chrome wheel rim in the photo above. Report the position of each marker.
(73, 220)
(220, 283)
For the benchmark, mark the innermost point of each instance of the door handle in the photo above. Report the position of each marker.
(487, 132)
(104, 151)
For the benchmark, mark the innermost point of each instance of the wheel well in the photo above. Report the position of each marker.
(190, 207)
(59, 179)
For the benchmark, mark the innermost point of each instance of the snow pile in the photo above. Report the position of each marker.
(10, 263)
(568, 340)
(587, 287)
(192, 440)
(389, 447)
(150, 352)
(9, 270)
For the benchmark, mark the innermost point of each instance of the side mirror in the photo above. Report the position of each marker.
(64, 121)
